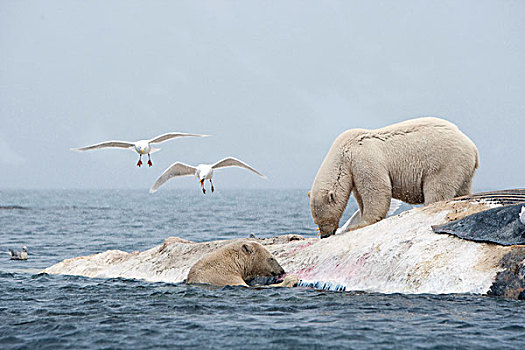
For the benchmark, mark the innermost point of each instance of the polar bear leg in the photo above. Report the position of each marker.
(358, 199)
(438, 188)
(375, 204)
(466, 188)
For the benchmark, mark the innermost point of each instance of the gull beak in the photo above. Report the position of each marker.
(201, 181)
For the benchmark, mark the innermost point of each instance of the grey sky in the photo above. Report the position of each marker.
(274, 82)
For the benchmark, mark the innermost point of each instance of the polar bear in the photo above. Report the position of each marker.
(422, 160)
(235, 264)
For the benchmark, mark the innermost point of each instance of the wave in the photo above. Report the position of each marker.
(13, 207)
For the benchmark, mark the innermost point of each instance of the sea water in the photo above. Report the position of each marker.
(39, 311)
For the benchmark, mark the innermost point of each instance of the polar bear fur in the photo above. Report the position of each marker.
(422, 160)
(234, 265)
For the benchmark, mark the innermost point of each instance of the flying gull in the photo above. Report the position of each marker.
(141, 146)
(201, 171)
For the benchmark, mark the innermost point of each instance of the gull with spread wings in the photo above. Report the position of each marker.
(201, 171)
(141, 146)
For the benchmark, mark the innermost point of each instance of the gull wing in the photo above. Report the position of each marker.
(230, 161)
(171, 135)
(176, 169)
(106, 144)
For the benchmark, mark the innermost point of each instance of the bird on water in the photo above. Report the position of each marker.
(22, 255)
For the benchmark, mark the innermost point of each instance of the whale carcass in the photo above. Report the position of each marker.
(401, 254)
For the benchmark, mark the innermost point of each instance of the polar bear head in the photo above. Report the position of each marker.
(259, 262)
(236, 263)
(331, 189)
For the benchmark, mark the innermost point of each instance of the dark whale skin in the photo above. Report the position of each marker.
(497, 225)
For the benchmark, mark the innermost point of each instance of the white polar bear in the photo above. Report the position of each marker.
(422, 160)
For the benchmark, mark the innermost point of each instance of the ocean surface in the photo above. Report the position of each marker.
(39, 311)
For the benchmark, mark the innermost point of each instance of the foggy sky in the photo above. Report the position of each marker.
(274, 82)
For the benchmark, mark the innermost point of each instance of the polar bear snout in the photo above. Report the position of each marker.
(274, 267)
(325, 216)
(326, 230)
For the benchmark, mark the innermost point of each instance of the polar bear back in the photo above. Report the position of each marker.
(414, 151)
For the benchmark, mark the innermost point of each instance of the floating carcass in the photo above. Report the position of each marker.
(401, 254)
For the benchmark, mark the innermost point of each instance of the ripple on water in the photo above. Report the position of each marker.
(134, 312)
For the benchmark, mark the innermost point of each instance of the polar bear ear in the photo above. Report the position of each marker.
(247, 249)
(331, 197)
